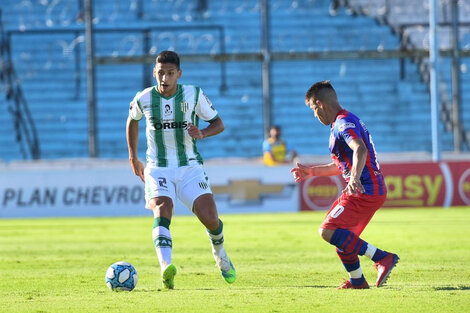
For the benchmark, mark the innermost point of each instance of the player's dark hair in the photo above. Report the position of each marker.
(320, 90)
(168, 57)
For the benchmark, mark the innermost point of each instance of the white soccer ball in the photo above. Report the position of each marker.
(121, 276)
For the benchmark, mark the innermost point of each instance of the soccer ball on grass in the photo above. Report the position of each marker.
(121, 276)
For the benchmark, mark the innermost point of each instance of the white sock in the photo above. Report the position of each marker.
(163, 245)
(355, 274)
(370, 251)
(220, 256)
(217, 242)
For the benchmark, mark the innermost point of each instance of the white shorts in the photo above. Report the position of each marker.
(186, 183)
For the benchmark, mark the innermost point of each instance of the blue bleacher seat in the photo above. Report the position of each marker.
(52, 70)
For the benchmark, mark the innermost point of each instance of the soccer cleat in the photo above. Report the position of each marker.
(226, 267)
(348, 285)
(168, 277)
(384, 268)
(231, 275)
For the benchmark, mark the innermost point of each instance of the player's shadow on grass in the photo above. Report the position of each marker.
(313, 286)
(459, 287)
(372, 287)
(173, 290)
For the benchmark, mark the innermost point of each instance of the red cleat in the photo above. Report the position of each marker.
(348, 285)
(384, 268)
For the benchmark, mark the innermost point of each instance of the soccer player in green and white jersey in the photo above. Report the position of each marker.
(174, 166)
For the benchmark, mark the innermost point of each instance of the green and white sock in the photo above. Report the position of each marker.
(217, 243)
(162, 240)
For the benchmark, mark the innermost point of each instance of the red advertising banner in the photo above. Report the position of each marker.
(408, 184)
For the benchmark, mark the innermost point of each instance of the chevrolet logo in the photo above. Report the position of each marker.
(247, 190)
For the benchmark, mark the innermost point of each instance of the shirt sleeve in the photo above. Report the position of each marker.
(267, 146)
(135, 111)
(204, 109)
(348, 129)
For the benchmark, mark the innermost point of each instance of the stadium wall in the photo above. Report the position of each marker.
(109, 188)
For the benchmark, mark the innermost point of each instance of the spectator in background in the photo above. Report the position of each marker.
(275, 150)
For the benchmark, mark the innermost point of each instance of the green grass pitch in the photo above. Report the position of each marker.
(58, 265)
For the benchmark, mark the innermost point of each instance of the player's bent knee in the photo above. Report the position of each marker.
(161, 206)
(325, 233)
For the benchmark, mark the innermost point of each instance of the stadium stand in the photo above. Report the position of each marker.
(410, 17)
(48, 51)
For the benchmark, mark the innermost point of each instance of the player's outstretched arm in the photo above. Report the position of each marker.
(215, 127)
(302, 172)
(132, 135)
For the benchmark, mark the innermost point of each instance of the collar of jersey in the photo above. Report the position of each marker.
(178, 89)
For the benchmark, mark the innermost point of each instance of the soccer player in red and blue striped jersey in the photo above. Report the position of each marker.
(354, 157)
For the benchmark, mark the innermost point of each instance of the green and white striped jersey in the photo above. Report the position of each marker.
(168, 141)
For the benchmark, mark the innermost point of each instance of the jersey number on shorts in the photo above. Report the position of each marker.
(337, 211)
